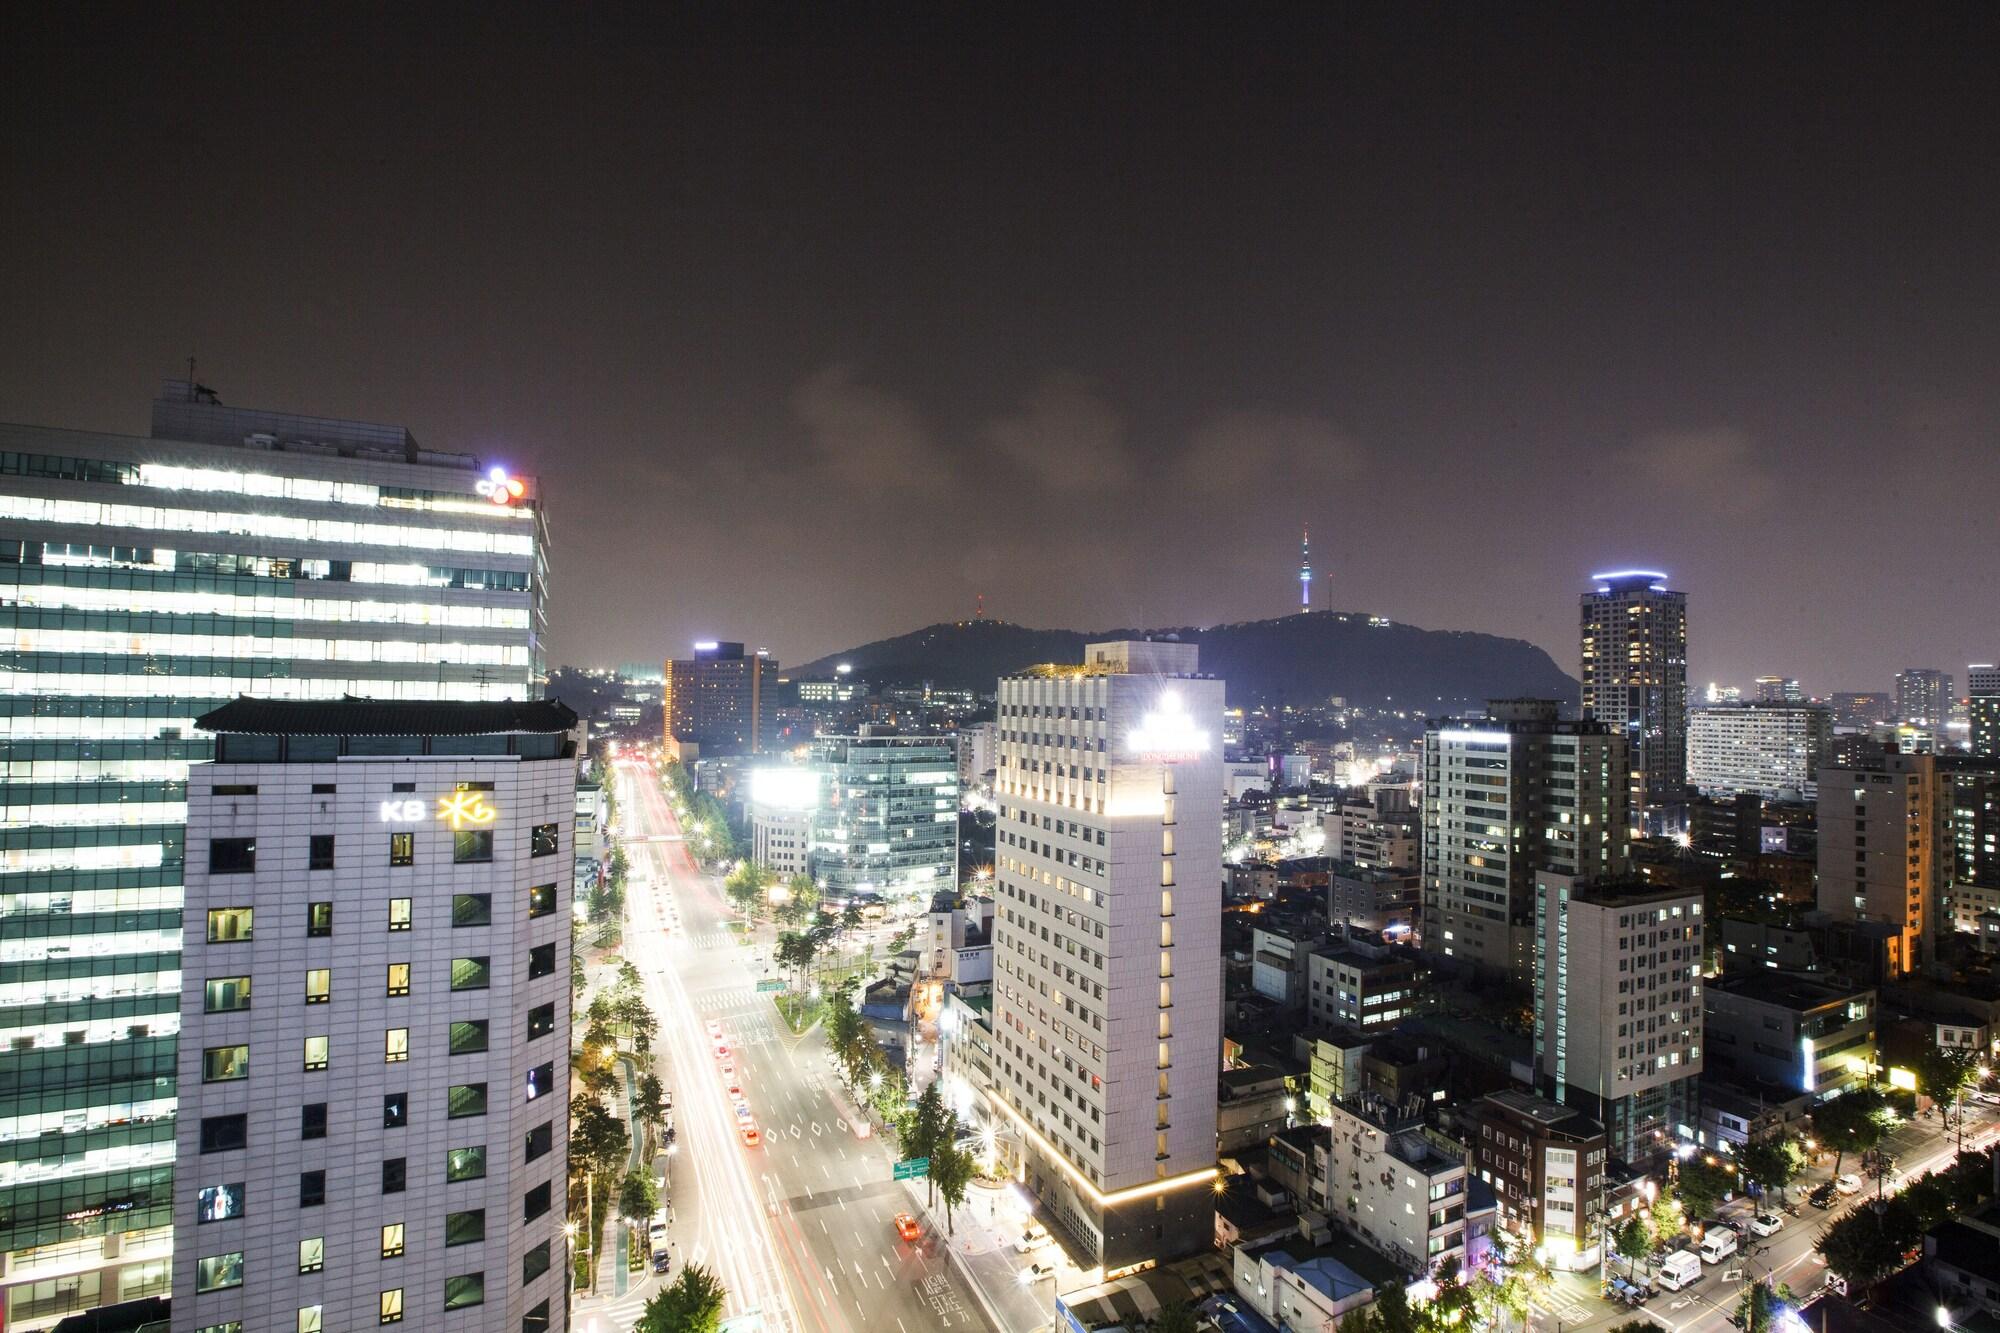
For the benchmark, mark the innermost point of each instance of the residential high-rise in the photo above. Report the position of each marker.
(1983, 709)
(1507, 795)
(1858, 711)
(1971, 788)
(1618, 1006)
(723, 700)
(147, 581)
(375, 1017)
(1923, 698)
(886, 820)
(1635, 676)
(1883, 845)
(1107, 981)
(1779, 690)
(1772, 749)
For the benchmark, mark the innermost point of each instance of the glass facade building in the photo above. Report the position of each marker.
(887, 820)
(143, 582)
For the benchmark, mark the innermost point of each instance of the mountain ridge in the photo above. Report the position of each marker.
(1308, 655)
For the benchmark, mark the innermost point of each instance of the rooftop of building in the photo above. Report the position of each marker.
(1551, 1115)
(1625, 891)
(1323, 1272)
(1786, 990)
(351, 716)
(1256, 1078)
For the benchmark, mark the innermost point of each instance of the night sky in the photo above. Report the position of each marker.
(817, 323)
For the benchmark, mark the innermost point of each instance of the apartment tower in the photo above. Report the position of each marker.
(1107, 1001)
(1635, 677)
(1507, 795)
(1884, 843)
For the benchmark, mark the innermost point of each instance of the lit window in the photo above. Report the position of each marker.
(392, 1241)
(316, 1053)
(218, 1272)
(395, 1045)
(390, 1307)
(399, 978)
(312, 1254)
(319, 985)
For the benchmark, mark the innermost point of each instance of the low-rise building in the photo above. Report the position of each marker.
(1963, 1256)
(1546, 1164)
(1336, 1069)
(1298, 1285)
(1363, 982)
(1397, 1183)
(1278, 965)
(1790, 1031)
(1373, 899)
(1251, 1105)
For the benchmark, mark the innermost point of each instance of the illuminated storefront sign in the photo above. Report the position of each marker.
(500, 488)
(402, 812)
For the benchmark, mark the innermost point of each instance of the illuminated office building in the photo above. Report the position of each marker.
(1107, 957)
(1885, 849)
(1772, 749)
(886, 817)
(375, 1018)
(1635, 677)
(145, 581)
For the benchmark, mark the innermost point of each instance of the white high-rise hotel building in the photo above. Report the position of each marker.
(1107, 953)
(143, 582)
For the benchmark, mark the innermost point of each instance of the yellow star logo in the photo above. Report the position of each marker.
(465, 807)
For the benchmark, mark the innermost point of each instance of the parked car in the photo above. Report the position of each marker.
(662, 1261)
(1767, 1224)
(1823, 1195)
(1717, 1244)
(1679, 1269)
(1848, 1183)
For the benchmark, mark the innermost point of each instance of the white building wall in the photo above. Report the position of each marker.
(282, 816)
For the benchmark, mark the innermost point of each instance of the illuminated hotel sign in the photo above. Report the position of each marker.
(461, 810)
(1167, 734)
(500, 488)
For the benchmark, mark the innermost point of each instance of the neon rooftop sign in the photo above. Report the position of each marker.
(500, 488)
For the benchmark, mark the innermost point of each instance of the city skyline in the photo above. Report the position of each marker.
(802, 314)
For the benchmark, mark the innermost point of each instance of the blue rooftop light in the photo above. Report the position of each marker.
(1630, 574)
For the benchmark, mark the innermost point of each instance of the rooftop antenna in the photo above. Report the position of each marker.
(979, 606)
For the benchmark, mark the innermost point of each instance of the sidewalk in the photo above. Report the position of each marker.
(981, 1244)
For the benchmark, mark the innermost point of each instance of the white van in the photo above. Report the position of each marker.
(656, 1231)
(1679, 1269)
(1718, 1244)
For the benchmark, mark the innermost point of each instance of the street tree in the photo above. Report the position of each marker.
(638, 1196)
(1702, 1185)
(1868, 1244)
(1854, 1123)
(932, 1129)
(951, 1171)
(596, 1138)
(1177, 1318)
(1667, 1219)
(1633, 1241)
(692, 1303)
(1773, 1163)
(1943, 1072)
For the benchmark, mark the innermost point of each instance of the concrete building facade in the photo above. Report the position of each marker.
(1107, 943)
(722, 700)
(1774, 750)
(1618, 1007)
(375, 1018)
(1883, 840)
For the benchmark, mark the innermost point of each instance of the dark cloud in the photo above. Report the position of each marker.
(820, 321)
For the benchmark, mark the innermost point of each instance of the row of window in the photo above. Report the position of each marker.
(220, 1272)
(233, 925)
(238, 856)
(227, 995)
(226, 1133)
(466, 1036)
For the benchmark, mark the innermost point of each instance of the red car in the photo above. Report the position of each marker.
(751, 1138)
(907, 1228)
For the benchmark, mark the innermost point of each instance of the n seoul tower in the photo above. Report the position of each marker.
(1305, 569)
